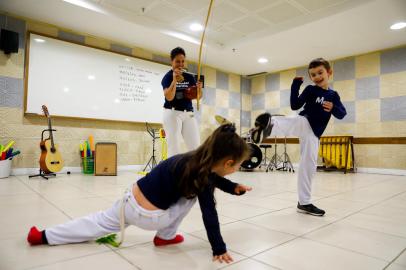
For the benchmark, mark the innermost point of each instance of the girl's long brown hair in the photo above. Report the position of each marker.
(223, 143)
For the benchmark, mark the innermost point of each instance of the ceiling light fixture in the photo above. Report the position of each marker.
(182, 37)
(39, 40)
(262, 60)
(196, 27)
(86, 4)
(397, 26)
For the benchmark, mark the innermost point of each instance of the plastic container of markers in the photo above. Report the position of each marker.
(87, 165)
(5, 168)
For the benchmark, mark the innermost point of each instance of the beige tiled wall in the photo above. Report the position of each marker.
(134, 144)
(366, 107)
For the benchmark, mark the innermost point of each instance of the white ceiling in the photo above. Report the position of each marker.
(287, 32)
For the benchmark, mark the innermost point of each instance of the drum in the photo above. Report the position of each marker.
(255, 158)
(191, 92)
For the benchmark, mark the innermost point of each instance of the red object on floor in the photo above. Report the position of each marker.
(34, 236)
(162, 242)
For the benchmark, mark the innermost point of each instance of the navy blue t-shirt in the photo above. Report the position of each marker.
(161, 188)
(312, 98)
(179, 102)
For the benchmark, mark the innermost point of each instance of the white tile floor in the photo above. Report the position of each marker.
(364, 228)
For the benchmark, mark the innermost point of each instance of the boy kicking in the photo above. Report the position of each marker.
(319, 102)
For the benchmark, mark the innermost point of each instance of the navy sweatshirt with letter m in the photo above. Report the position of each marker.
(312, 98)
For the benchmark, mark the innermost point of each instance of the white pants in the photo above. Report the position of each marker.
(165, 222)
(177, 123)
(298, 126)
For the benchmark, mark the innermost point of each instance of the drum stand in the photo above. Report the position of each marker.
(278, 160)
(275, 160)
(286, 163)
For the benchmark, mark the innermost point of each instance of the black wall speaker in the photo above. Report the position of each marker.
(201, 79)
(8, 41)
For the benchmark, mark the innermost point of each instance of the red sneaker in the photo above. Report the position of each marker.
(162, 242)
(34, 236)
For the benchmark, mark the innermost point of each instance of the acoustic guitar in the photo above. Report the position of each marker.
(50, 160)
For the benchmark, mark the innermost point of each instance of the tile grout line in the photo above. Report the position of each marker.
(71, 219)
(244, 220)
(124, 258)
(325, 197)
(67, 260)
(301, 236)
(251, 257)
(392, 262)
(46, 199)
(91, 194)
(357, 212)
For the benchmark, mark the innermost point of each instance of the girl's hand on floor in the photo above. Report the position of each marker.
(241, 189)
(223, 258)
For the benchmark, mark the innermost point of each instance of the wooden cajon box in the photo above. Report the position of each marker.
(105, 162)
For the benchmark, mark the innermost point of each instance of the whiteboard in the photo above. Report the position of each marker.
(79, 81)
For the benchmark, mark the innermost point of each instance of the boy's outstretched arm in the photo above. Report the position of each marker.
(296, 101)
